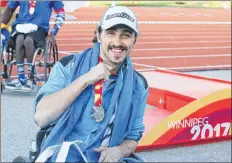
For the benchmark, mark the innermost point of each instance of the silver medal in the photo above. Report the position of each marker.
(98, 113)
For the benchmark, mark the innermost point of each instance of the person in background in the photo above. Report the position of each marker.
(30, 27)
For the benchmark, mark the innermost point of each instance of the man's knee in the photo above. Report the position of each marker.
(28, 42)
(19, 41)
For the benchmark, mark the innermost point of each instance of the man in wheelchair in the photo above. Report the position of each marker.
(29, 30)
(95, 99)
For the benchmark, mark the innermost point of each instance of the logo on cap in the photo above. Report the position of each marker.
(121, 15)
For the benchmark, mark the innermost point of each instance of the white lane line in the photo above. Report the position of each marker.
(169, 68)
(183, 48)
(163, 49)
(150, 33)
(59, 44)
(185, 14)
(181, 68)
(222, 36)
(165, 13)
(151, 29)
(144, 43)
(183, 56)
(199, 67)
(186, 68)
(145, 65)
(150, 22)
(66, 52)
(152, 37)
(147, 69)
(177, 42)
(169, 57)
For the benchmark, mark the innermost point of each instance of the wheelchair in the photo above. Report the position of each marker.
(36, 146)
(45, 57)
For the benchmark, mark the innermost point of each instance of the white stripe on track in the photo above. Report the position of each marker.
(149, 33)
(150, 22)
(182, 56)
(152, 37)
(182, 68)
(183, 48)
(145, 43)
(163, 49)
(168, 57)
(150, 29)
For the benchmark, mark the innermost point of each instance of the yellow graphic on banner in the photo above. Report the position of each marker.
(183, 112)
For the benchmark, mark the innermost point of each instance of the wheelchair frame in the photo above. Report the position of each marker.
(48, 57)
(36, 147)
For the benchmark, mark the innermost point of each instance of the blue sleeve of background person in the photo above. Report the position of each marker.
(138, 126)
(56, 81)
(13, 4)
(59, 18)
(57, 5)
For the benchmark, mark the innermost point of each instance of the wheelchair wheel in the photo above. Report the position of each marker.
(7, 62)
(22, 159)
(50, 58)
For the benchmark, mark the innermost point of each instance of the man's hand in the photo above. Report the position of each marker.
(97, 73)
(5, 34)
(52, 38)
(109, 154)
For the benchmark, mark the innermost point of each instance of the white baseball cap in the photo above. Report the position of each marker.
(119, 15)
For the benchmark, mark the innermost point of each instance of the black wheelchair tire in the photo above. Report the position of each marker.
(7, 68)
(55, 54)
(45, 60)
(50, 53)
(21, 159)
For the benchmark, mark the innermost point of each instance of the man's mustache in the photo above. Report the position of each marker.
(117, 47)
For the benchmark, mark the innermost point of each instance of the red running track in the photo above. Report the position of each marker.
(175, 46)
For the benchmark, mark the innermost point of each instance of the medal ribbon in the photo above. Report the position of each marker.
(98, 90)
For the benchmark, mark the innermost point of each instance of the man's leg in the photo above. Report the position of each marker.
(20, 57)
(30, 49)
(17, 84)
(32, 39)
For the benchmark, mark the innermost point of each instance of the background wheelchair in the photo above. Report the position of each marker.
(36, 145)
(45, 56)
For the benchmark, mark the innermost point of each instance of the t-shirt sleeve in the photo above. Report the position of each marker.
(138, 127)
(13, 4)
(56, 81)
(57, 5)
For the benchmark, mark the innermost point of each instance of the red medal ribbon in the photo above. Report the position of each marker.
(98, 90)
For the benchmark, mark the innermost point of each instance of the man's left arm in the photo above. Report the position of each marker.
(59, 18)
(129, 145)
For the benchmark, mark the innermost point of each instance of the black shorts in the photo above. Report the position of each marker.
(38, 36)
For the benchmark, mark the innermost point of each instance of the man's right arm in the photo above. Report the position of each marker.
(11, 6)
(53, 98)
(52, 106)
(56, 98)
